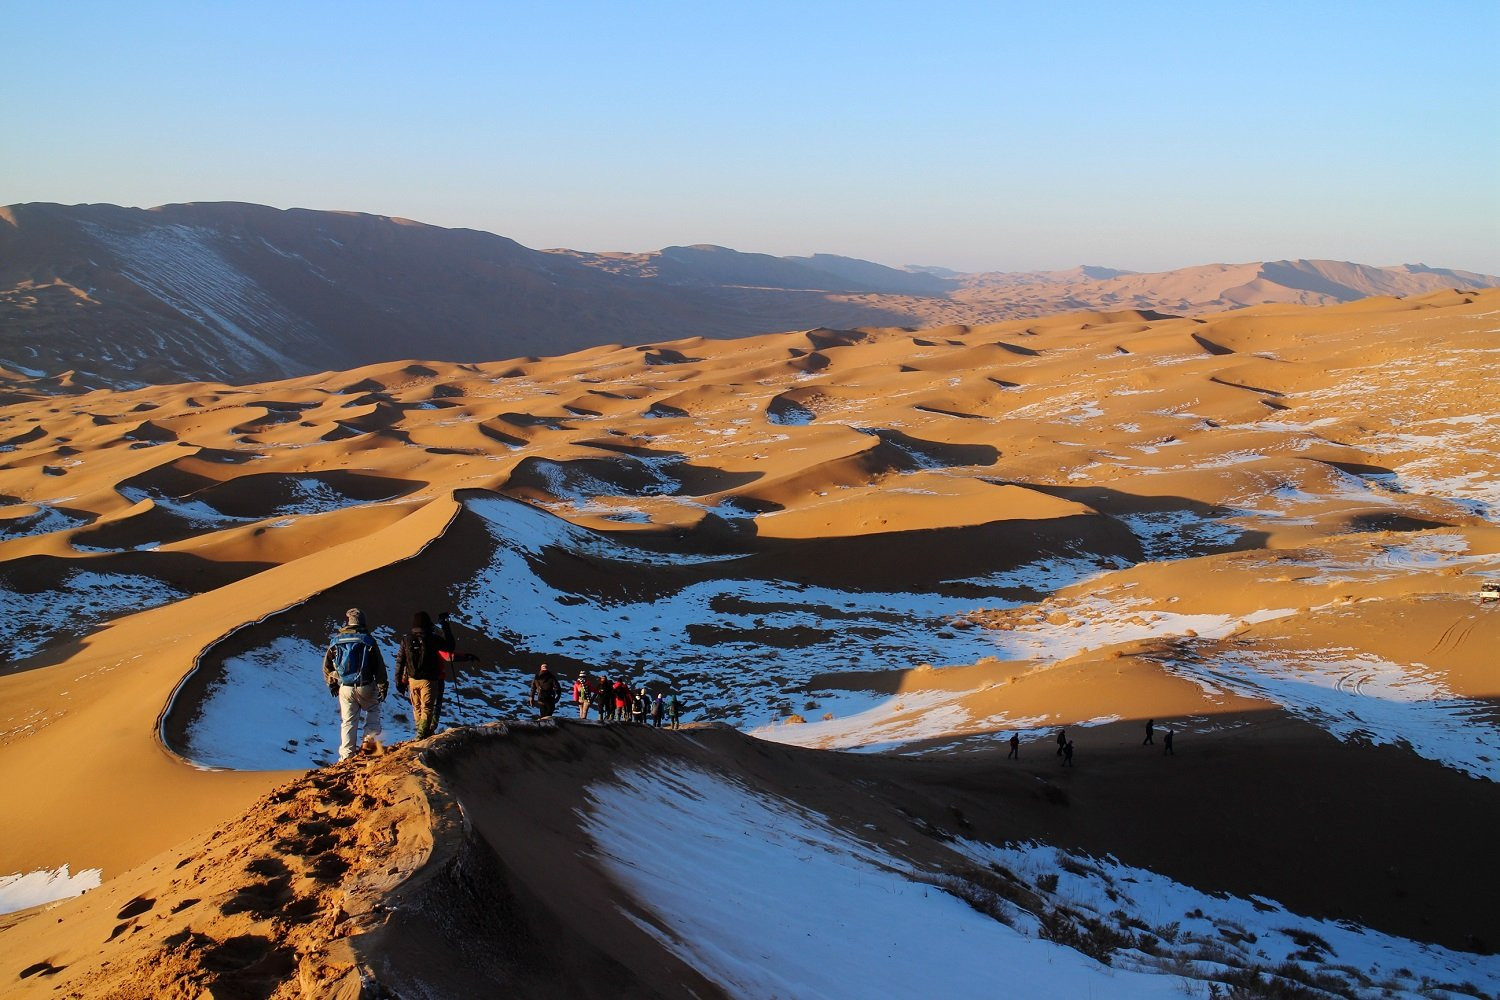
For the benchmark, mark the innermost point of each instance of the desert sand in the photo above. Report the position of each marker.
(1265, 529)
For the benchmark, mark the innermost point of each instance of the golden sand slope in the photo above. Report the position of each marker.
(1333, 465)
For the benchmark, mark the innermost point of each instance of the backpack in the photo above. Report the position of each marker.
(351, 658)
(416, 652)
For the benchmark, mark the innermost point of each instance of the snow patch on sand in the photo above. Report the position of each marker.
(1177, 534)
(873, 723)
(1048, 575)
(1098, 622)
(269, 710)
(19, 891)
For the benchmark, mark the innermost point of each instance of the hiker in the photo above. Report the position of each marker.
(1150, 731)
(597, 689)
(1166, 745)
(658, 706)
(544, 692)
(355, 674)
(1015, 747)
(1067, 752)
(1062, 741)
(581, 694)
(621, 701)
(638, 707)
(674, 709)
(420, 669)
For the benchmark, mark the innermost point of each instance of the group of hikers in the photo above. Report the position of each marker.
(355, 673)
(616, 701)
(1065, 745)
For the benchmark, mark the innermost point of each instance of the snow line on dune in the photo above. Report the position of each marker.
(1098, 622)
(19, 891)
(43, 520)
(1359, 696)
(872, 723)
(1202, 933)
(767, 899)
(81, 602)
(864, 722)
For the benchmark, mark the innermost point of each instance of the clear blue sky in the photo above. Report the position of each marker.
(978, 136)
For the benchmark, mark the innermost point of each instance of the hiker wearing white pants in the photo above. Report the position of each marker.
(354, 703)
(355, 674)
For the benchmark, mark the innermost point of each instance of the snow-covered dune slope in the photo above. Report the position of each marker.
(769, 899)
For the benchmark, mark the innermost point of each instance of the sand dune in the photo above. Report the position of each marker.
(1266, 529)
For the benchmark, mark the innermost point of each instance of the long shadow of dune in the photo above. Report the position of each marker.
(631, 472)
(1210, 346)
(937, 560)
(54, 600)
(185, 504)
(1167, 526)
(279, 494)
(936, 454)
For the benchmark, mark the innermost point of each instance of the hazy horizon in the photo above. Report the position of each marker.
(960, 136)
(899, 264)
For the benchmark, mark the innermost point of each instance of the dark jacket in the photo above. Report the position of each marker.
(544, 688)
(428, 666)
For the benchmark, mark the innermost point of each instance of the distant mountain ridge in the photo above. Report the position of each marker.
(235, 292)
(1210, 287)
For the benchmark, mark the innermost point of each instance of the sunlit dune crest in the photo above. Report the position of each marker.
(1268, 530)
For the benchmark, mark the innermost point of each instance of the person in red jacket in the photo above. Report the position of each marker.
(622, 701)
(581, 694)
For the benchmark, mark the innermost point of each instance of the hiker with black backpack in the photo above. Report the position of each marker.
(545, 691)
(355, 674)
(420, 667)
